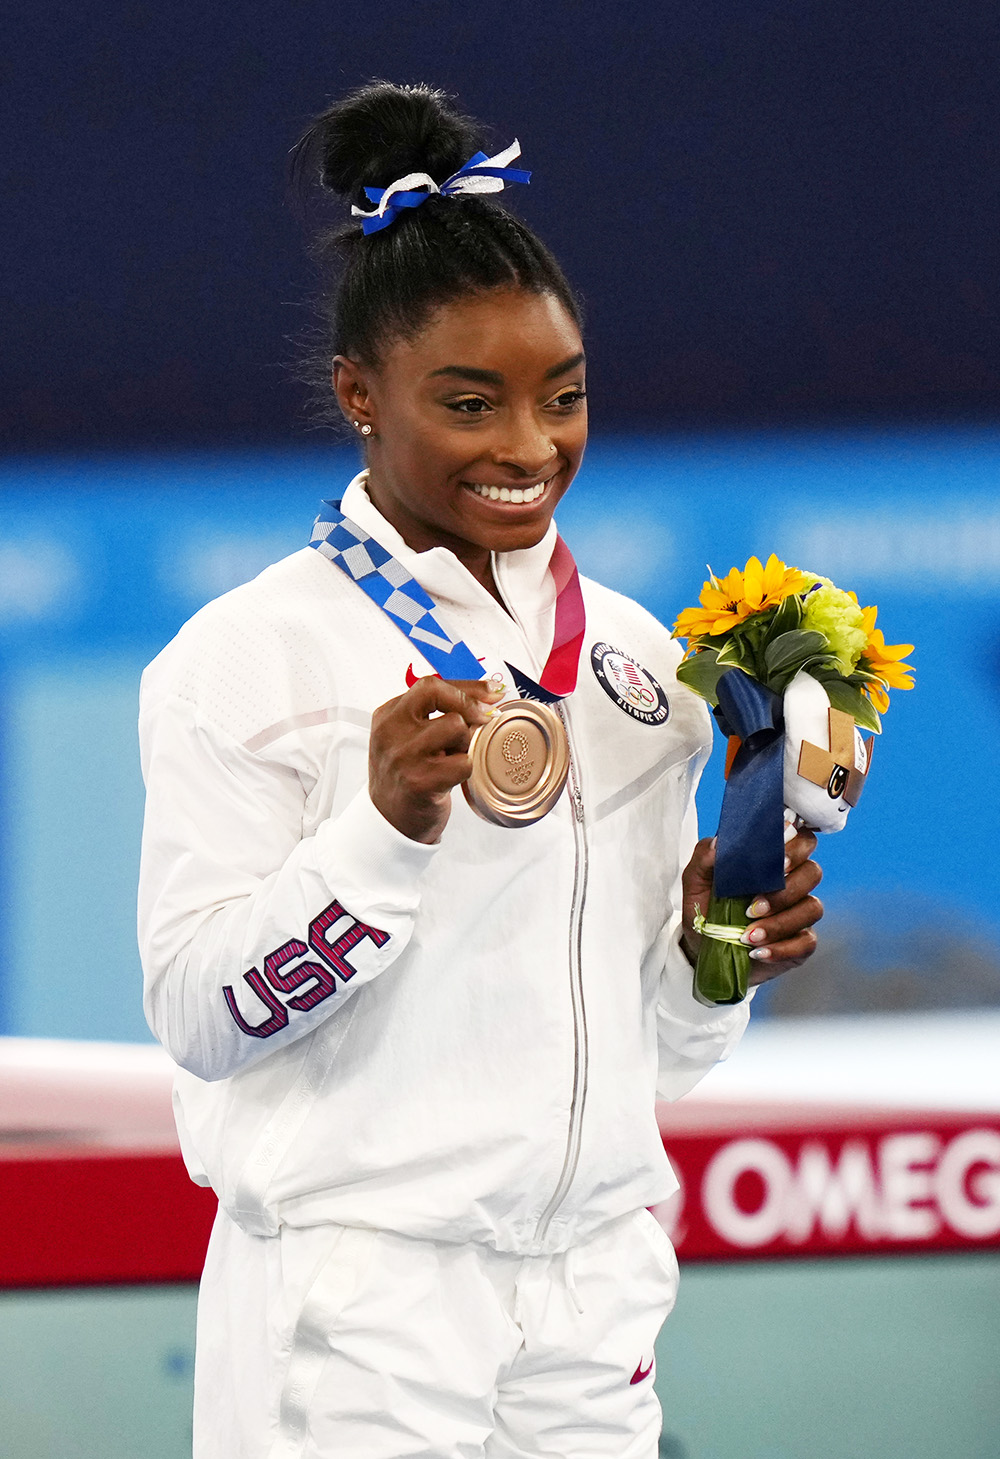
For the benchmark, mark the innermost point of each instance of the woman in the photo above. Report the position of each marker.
(419, 1052)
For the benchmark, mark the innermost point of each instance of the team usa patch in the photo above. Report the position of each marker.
(632, 687)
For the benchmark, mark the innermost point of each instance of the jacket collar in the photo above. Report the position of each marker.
(523, 576)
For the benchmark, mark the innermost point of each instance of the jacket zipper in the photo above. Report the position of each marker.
(574, 1132)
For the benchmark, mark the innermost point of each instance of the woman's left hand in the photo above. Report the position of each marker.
(780, 934)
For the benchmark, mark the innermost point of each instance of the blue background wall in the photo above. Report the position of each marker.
(102, 559)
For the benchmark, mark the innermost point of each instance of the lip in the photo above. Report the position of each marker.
(508, 506)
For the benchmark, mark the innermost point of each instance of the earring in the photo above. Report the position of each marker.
(365, 429)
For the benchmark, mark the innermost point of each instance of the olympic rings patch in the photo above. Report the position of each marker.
(632, 687)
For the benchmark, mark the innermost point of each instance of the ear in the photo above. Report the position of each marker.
(350, 385)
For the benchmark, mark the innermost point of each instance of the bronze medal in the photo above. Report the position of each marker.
(520, 761)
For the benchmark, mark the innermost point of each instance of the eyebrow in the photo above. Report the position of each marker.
(493, 377)
(468, 372)
(566, 365)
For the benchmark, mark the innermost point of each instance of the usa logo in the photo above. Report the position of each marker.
(632, 687)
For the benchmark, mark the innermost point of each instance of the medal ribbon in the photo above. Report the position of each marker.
(385, 580)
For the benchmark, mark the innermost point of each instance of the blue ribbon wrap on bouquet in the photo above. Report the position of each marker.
(750, 852)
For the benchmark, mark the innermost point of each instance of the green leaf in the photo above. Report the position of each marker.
(713, 640)
(790, 650)
(758, 626)
(821, 664)
(778, 683)
(736, 655)
(723, 969)
(788, 615)
(701, 672)
(850, 699)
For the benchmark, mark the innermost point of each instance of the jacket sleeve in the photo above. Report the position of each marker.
(692, 1036)
(250, 934)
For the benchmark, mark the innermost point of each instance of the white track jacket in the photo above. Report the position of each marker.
(460, 1042)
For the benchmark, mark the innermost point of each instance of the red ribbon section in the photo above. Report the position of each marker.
(563, 664)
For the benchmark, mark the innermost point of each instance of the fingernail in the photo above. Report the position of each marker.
(496, 689)
(759, 908)
(760, 953)
(788, 864)
(754, 934)
(790, 831)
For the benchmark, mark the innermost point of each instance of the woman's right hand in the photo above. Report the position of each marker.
(415, 762)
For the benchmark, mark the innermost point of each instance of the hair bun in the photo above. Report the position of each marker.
(382, 132)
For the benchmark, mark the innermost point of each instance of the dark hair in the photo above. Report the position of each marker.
(385, 285)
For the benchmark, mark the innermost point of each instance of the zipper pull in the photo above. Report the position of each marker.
(574, 788)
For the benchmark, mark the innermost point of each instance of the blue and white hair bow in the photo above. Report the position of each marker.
(481, 174)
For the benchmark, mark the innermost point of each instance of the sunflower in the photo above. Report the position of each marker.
(882, 661)
(727, 602)
(769, 585)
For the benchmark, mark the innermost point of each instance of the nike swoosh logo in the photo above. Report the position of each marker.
(641, 1372)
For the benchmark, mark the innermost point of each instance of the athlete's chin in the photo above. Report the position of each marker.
(504, 527)
(519, 537)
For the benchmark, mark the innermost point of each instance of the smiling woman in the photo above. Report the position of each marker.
(478, 424)
(454, 334)
(419, 1047)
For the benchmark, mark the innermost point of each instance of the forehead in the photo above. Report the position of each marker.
(508, 331)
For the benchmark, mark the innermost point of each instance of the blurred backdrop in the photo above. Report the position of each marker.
(782, 217)
(777, 211)
(102, 558)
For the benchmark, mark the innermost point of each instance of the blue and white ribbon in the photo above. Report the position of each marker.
(385, 580)
(481, 174)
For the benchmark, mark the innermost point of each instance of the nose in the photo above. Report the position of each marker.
(526, 446)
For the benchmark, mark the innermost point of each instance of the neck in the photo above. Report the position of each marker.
(478, 561)
(419, 538)
(489, 582)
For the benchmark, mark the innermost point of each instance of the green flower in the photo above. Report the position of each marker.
(836, 614)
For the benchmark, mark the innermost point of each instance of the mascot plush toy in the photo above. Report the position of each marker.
(826, 757)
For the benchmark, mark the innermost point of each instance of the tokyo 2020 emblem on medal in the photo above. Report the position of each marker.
(520, 760)
(632, 687)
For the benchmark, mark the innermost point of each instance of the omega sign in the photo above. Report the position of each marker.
(813, 1191)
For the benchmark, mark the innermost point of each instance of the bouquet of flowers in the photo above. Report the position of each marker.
(794, 668)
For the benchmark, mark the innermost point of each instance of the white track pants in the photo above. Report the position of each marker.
(332, 1342)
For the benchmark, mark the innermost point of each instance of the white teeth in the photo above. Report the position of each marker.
(516, 495)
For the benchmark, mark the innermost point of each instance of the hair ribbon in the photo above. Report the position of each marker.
(481, 174)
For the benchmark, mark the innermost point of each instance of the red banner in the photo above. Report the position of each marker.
(77, 1218)
(757, 1181)
(827, 1183)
